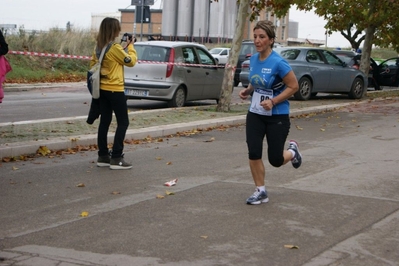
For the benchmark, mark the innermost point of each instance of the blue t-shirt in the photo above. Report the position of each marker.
(267, 79)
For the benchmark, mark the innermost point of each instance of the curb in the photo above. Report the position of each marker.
(30, 147)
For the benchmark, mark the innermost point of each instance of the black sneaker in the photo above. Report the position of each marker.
(258, 197)
(297, 159)
(119, 164)
(103, 161)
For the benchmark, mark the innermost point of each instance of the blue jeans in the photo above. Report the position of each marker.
(112, 102)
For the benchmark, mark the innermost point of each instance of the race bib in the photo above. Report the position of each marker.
(259, 96)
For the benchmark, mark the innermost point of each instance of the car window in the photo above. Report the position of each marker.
(204, 58)
(189, 55)
(151, 53)
(313, 56)
(224, 52)
(247, 48)
(290, 54)
(345, 58)
(331, 58)
(215, 50)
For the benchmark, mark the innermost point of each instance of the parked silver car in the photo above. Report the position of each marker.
(175, 72)
(319, 70)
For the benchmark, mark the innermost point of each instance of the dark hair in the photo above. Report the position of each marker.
(109, 30)
(268, 27)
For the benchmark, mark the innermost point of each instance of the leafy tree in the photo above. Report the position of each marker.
(353, 37)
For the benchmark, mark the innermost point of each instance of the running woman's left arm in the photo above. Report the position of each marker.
(291, 87)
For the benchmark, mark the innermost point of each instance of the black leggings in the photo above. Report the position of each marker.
(275, 128)
(112, 102)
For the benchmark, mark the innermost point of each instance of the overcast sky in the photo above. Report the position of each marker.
(45, 14)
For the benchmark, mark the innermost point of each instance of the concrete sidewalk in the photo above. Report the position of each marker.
(341, 207)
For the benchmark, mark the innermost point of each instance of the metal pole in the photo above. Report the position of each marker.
(209, 21)
(142, 16)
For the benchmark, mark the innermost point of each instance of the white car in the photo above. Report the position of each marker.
(220, 54)
(175, 72)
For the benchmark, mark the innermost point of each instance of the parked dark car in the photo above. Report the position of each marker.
(345, 55)
(247, 49)
(244, 74)
(319, 70)
(384, 74)
(175, 72)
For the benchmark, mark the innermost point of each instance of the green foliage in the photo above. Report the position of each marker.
(27, 68)
(75, 42)
(376, 15)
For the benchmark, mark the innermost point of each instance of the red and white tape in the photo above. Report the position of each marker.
(51, 55)
(139, 61)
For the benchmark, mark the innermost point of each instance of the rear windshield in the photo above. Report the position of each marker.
(248, 48)
(152, 53)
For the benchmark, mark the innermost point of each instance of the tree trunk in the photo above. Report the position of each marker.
(366, 53)
(227, 86)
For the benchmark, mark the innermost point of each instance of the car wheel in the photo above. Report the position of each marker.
(305, 89)
(179, 98)
(357, 89)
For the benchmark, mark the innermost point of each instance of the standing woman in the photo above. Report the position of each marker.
(112, 96)
(3, 44)
(272, 83)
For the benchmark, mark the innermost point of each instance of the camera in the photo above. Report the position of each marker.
(127, 36)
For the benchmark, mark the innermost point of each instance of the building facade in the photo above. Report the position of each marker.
(197, 20)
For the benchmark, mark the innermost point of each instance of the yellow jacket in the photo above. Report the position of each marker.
(112, 75)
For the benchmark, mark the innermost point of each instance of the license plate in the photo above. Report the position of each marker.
(136, 93)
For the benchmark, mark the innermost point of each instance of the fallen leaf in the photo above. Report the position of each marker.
(322, 129)
(80, 185)
(43, 150)
(204, 237)
(115, 193)
(160, 197)
(209, 140)
(291, 246)
(168, 163)
(15, 168)
(169, 193)
(299, 128)
(84, 214)
(158, 158)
